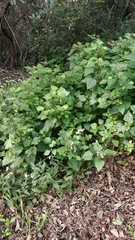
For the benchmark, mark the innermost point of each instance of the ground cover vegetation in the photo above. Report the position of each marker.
(74, 112)
(62, 123)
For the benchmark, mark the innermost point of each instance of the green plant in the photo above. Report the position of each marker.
(7, 223)
(55, 124)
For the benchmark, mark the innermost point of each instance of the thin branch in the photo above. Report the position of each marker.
(14, 36)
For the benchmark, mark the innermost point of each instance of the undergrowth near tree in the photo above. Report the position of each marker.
(56, 124)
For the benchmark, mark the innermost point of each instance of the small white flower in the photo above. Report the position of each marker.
(80, 131)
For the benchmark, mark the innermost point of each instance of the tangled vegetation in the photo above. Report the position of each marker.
(55, 123)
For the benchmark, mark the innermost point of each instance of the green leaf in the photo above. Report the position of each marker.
(117, 222)
(122, 107)
(98, 163)
(40, 108)
(54, 88)
(56, 185)
(47, 152)
(6, 161)
(62, 92)
(10, 203)
(17, 162)
(93, 125)
(133, 108)
(115, 142)
(128, 117)
(74, 164)
(131, 64)
(8, 144)
(35, 141)
(130, 56)
(87, 155)
(42, 147)
(90, 82)
(109, 152)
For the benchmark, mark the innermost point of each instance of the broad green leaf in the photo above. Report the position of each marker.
(93, 125)
(120, 127)
(133, 108)
(128, 117)
(54, 88)
(109, 152)
(56, 185)
(131, 64)
(35, 141)
(62, 92)
(40, 108)
(122, 107)
(88, 71)
(87, 155)
(6, 161)
(49, 124)
(130, 56)
(74, 164)
(30, 158)
(62, 150)
(17, 162)
(8, 144)
(87, 126)
(98, 163)
(82, 98)
(42, 147)
(90, 82)
(115, 142)
(47, 152)
(10, 203)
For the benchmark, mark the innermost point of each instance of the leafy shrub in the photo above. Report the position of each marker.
(55, 124)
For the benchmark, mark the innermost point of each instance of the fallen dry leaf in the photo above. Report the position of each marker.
(114, 232)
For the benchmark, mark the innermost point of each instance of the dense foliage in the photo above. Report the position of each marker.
(56, 124)
(34, 31)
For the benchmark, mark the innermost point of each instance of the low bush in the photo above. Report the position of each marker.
(55, 124)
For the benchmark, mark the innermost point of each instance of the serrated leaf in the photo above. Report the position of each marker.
(87, 155)
(98, 163)
(128, 117)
